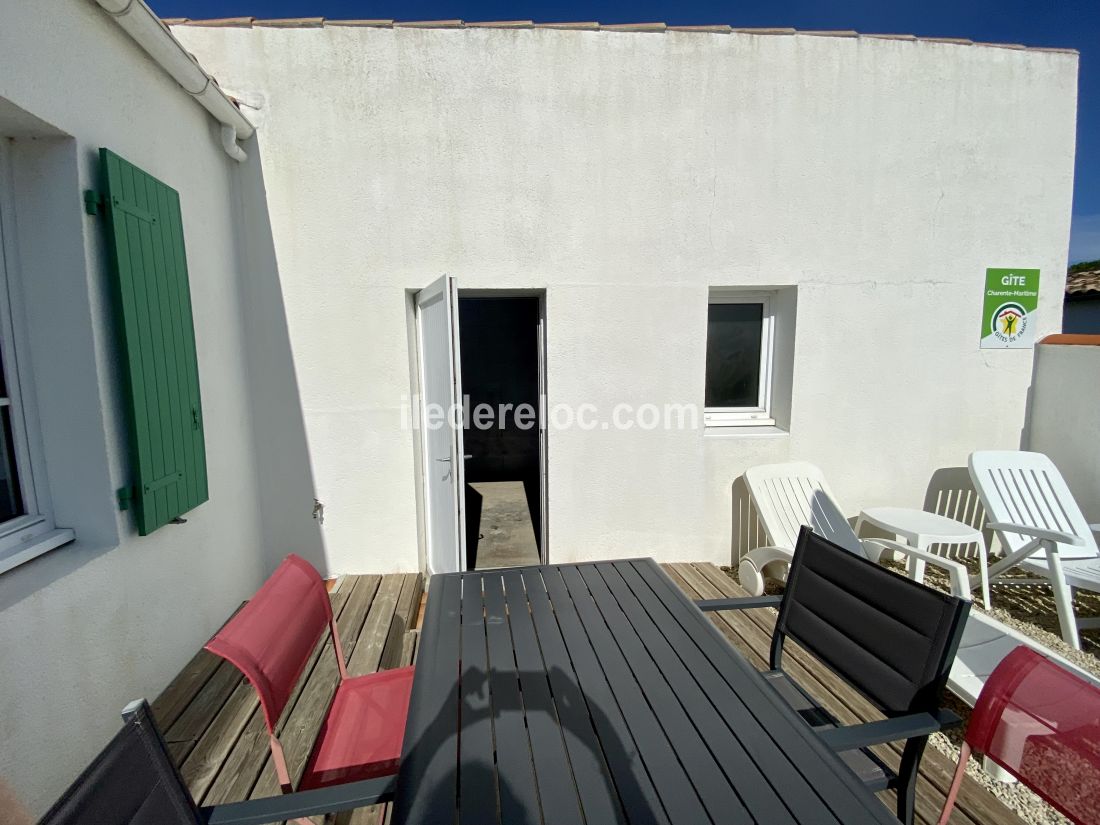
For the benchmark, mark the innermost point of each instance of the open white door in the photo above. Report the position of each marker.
(544, 500)
(441, 441)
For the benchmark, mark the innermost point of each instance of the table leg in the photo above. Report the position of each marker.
(916, 566)
(983, 571)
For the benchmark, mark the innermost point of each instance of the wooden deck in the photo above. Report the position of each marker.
(216, 734)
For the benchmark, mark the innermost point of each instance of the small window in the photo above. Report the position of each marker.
(739, 361)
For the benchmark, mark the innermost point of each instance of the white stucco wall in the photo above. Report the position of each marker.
(1064, 422)
(626, 174)
(92, 625)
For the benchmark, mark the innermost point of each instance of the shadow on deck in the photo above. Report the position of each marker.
(216, 733)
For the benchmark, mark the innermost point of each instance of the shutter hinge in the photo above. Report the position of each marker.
(125, 496)
(93, 202)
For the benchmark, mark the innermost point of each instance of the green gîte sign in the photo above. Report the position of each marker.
(1008, 313)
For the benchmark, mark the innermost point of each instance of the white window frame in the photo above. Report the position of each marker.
(23, 537)
(759, 416)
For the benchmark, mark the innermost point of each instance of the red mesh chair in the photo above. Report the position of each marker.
(270, 641)
(1040, 723)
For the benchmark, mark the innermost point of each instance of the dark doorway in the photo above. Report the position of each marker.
(499, 344)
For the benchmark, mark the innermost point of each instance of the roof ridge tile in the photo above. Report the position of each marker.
(221, 22)
(704, 29)
(633, 27)
(502, 24)
(371, 24)
(291, 22)
(429, 24)
(577, 26)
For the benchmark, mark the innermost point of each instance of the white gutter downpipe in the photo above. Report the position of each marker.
(142, 24)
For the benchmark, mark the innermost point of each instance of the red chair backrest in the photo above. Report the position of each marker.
(1041, 723)
(271, 638)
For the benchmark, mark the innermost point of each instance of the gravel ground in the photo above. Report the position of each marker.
(1029, 609)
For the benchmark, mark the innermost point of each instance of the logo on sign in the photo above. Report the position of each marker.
(1009, 322)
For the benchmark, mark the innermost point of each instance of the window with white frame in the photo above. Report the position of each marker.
(26, 523)
(740, 352)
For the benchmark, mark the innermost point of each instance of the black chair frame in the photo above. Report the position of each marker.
(141, 738)
(914, 718)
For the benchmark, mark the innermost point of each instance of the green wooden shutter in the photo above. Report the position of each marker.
(153, 300)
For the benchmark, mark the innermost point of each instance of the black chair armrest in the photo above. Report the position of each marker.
(740, 603)
(303, 803)
(851, 737)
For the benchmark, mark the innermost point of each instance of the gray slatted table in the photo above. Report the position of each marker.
(598, 693)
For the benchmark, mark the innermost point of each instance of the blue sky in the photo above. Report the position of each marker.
(1063, 23)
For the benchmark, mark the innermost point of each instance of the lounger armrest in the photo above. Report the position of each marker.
(888, 730)
(739, 603)
(303, 803)
(960, 576)
(1037, 533)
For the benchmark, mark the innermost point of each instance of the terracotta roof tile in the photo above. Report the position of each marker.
(633, 27)
(586, 26)
(292, 23)
(705, 29)
(228, 22)
(763, 31)
(1072, 340)
(374, 24)
(1080, 283)
(430, 24)
(502, 24)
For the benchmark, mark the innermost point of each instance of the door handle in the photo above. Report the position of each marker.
(448, 458)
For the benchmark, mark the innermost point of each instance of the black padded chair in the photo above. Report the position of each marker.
(889, 637)
(133, 781)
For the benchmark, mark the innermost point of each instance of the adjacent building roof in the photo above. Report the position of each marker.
(1085, 282)
(319, 22)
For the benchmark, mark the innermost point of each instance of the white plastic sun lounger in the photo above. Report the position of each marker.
(1040, 526)
(787, 496)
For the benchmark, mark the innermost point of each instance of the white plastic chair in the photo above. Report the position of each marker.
(1041, 528)
(787, 496)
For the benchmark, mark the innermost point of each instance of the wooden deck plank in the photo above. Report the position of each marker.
(409, 644)
(185, 732)
(175, 698)
(201, 767)
(408, 603)
(366, 656)
(242, 765)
